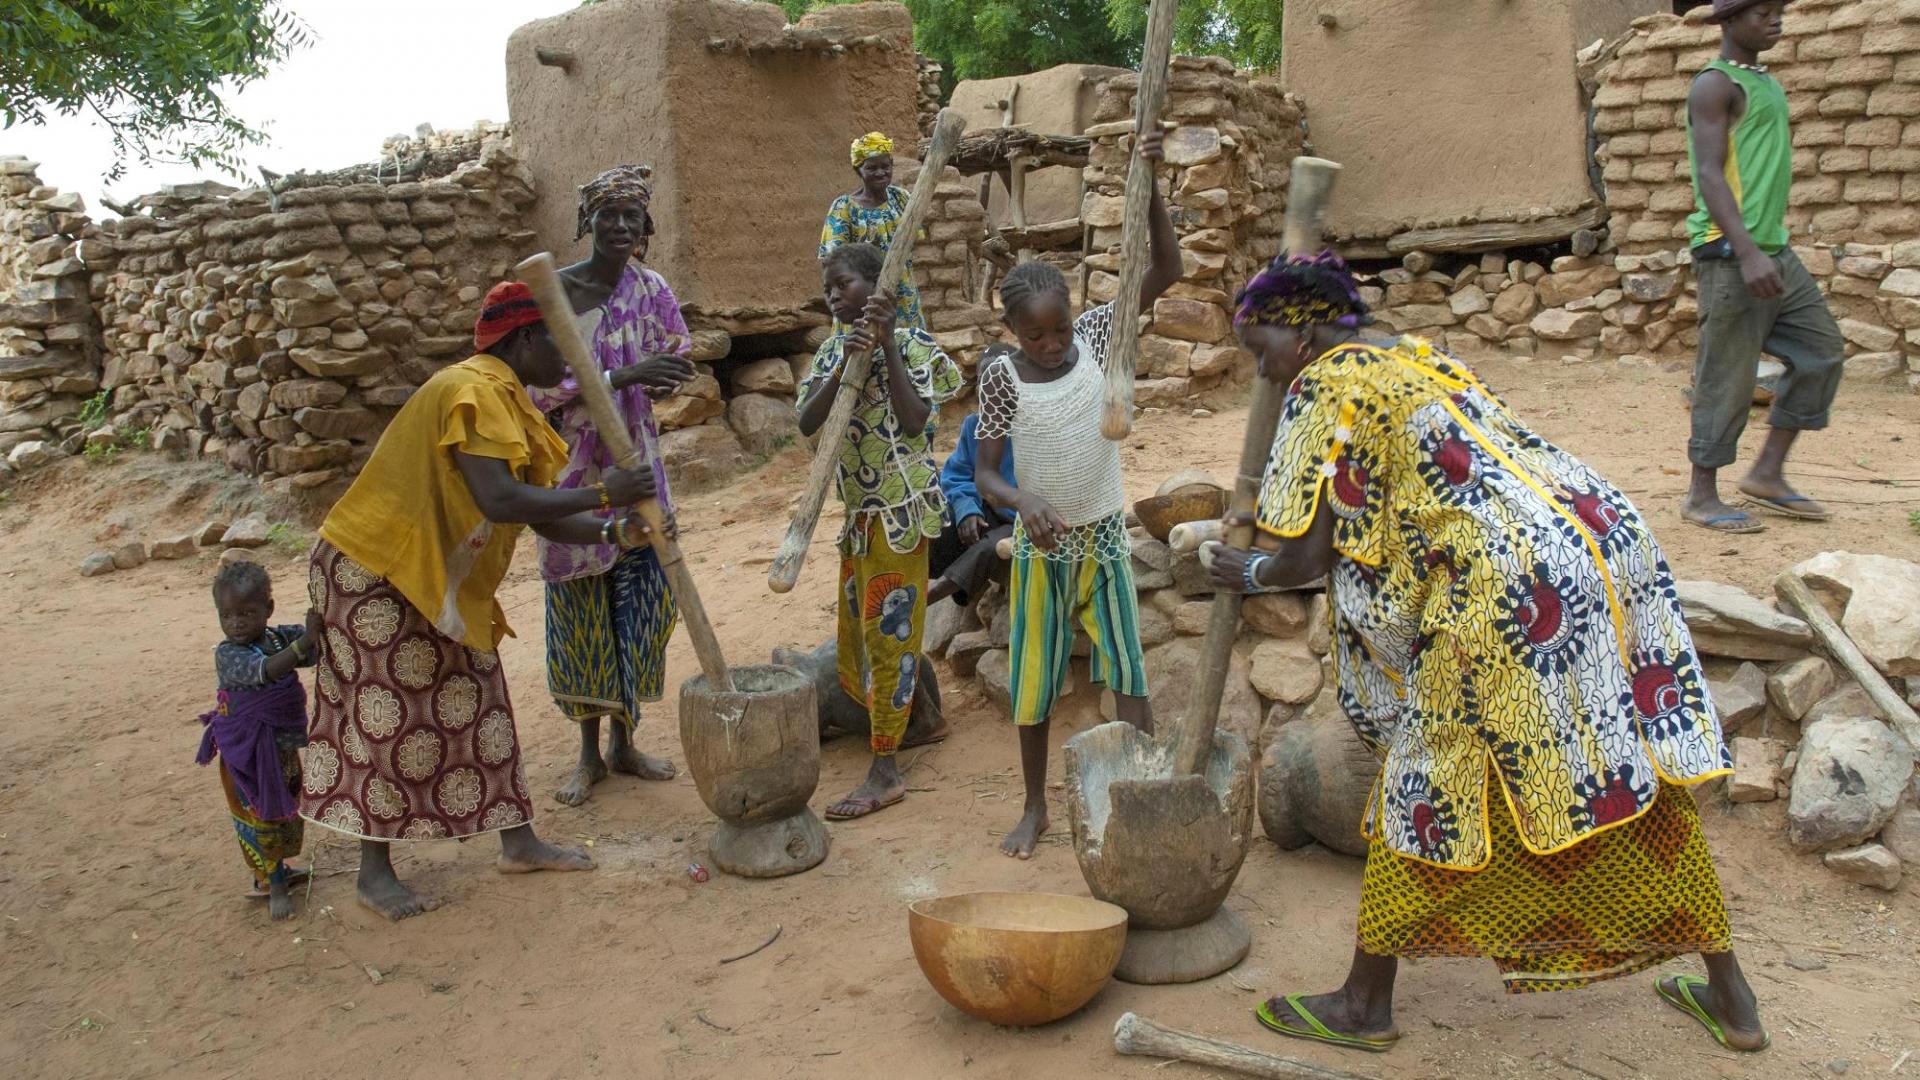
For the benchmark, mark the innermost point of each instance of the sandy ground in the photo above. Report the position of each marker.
(128, 951)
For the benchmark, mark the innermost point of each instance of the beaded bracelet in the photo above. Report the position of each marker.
(1250, 573)
(606, 500)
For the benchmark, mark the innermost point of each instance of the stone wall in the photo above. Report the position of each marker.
(1851, 69)
(49, 334)
(1227, 167)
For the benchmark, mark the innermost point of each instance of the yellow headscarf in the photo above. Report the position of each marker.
(871, 145)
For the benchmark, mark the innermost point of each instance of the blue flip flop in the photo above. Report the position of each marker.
(1784, 507)
(1717, 524)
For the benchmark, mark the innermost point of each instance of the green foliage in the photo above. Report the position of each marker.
(982, 39)
(151, 70)
(289, 538)
(1246, 32)
(1913, 521)
(94, 412)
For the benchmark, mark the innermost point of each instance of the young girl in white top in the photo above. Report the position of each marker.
(1072, 563)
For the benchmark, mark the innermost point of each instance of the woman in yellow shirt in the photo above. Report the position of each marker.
(413, 735)
(1507, 637)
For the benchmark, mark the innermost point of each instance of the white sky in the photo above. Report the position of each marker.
(375, 68)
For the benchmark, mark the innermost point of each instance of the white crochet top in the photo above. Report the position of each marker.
(1060, 454)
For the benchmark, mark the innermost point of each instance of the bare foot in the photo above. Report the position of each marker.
(579, 787)
(521, 852)
(1739, 1020)
(388, 897)
(1025, 836)
(279, 901)
(631, 762)
(882, 788)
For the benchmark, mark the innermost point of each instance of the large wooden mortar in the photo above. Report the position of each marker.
(755, 756)
(1166, 848)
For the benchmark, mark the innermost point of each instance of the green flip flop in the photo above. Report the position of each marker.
(1315, 1030)
(1682, 998)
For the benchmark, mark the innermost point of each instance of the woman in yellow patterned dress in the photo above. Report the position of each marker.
(1507, 638)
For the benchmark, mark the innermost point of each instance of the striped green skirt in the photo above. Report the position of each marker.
(1050, 600)
(607, 639)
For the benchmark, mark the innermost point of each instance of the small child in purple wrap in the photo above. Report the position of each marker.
(259, 726)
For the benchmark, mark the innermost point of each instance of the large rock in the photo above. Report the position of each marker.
(995, 674)
(1902, 834)
(763, 423)
(1516, 304)
(1286, 671)
(1277, 615)
(251, 531)
(1851, 774)
(1190, 320)
(686, 410)
(1741, 698)
(943, 621)
(31, 454)
(97, 563)
(769, 375)
(1796, 688)
(184, 546)
(1885, 624)
(1171, 671)
(1869, 864)
(1559, 324)
(1756, 769)
(1727, 621)
(324, 363)
(129, 555)
(966, 649)
(702, 455)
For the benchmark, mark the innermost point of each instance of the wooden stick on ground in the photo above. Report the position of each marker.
(826, 455)
(1794, 592)
(1116, 419)
(543, 279)
(1192, 734)
(1138, 1035)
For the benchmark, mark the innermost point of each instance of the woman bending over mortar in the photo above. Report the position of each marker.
(1508, 639)
(609, 612)
(413, 735)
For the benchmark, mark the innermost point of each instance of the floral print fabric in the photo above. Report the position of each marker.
(850, 223)
(887, 474)
(412, 735)
(1493, 600)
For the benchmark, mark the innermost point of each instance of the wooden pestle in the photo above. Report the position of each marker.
(1116, 418)
(1192, 733)
(858, 365)
(541, 276)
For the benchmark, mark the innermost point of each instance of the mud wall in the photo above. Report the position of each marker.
(1432, 137)
(745, 122)
(1851, 69)
(1058, 101)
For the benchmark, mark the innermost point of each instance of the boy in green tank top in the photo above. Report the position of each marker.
(1755, 296)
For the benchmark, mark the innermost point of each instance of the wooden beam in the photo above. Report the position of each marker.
(555, 56)
(1498, 235)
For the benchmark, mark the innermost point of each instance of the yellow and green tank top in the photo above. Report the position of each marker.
(1759, 162)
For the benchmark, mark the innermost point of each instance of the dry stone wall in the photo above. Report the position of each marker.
(49, 334)
(1851, 69)
(1227, 166)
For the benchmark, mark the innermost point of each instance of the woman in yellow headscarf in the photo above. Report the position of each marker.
(871, 214)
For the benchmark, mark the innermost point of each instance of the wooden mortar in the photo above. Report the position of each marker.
(754, 754)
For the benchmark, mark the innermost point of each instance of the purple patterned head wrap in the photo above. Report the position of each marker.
(1298, 290)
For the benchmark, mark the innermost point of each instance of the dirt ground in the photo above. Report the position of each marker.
(126, 949)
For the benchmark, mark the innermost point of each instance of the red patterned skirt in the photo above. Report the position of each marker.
(412, 735)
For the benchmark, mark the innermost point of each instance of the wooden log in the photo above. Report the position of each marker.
(543, 279)
(1498, 235)
(1192, 733)
(858, 365)
(1794, 592)
(1116, 420)
(1137, 1035)
(1046, 236)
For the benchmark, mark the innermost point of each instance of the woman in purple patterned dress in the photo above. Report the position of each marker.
(609, 613)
